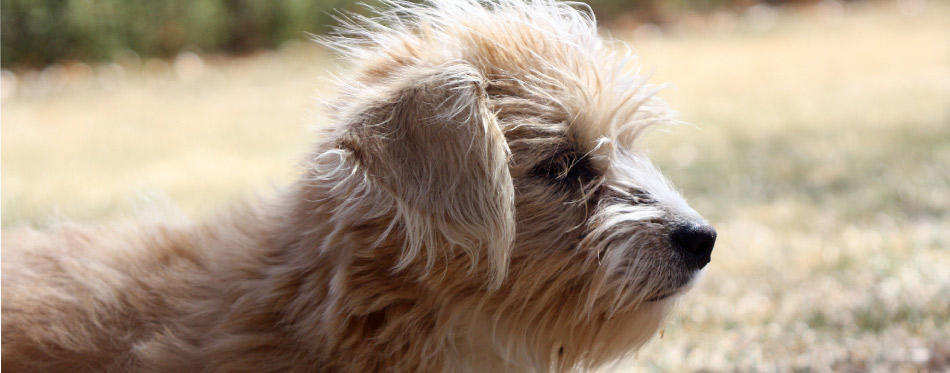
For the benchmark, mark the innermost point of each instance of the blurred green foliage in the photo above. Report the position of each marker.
(39, 32)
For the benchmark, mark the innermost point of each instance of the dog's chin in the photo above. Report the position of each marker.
(681, 289)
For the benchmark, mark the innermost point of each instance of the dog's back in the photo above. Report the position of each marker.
(82, 298)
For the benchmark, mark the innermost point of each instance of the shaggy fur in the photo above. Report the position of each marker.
(475, 204)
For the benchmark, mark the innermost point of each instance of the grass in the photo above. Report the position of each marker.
(820, 149)
(822, 155)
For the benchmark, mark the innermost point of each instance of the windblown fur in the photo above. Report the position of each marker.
(476, 203)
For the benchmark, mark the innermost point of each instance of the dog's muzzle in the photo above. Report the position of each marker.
(694, 243)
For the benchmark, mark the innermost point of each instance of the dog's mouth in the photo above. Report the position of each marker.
(681, 287)
(663, 296)
(666, 292)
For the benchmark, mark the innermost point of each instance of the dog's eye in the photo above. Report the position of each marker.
(566, 166)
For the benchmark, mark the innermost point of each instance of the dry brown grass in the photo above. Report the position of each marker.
(93, 145)
(821, 152)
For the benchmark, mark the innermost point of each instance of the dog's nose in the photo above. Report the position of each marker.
(695, 243)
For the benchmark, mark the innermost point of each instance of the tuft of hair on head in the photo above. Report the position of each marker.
(550, 50)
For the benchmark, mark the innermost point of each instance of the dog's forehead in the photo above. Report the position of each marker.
(586, 92)
(541, 61)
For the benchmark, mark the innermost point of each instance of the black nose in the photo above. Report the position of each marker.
(695, 243)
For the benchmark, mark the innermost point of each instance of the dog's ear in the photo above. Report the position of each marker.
(430, 140)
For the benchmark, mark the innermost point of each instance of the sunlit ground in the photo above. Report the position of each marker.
(819, 147)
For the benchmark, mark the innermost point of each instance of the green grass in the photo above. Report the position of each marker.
(820, 150)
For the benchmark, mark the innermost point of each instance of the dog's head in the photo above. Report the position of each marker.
(507, 131)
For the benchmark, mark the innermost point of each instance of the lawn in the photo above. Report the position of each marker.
(818, 144)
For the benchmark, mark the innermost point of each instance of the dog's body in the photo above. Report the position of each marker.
(475, 205)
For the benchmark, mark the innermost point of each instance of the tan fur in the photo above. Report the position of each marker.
(476, 204)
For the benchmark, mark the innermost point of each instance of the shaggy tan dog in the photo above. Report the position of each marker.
(475, 205)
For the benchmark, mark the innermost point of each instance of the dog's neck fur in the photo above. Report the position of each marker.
(322, 276)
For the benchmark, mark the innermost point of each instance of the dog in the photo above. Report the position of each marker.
(476, 202)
